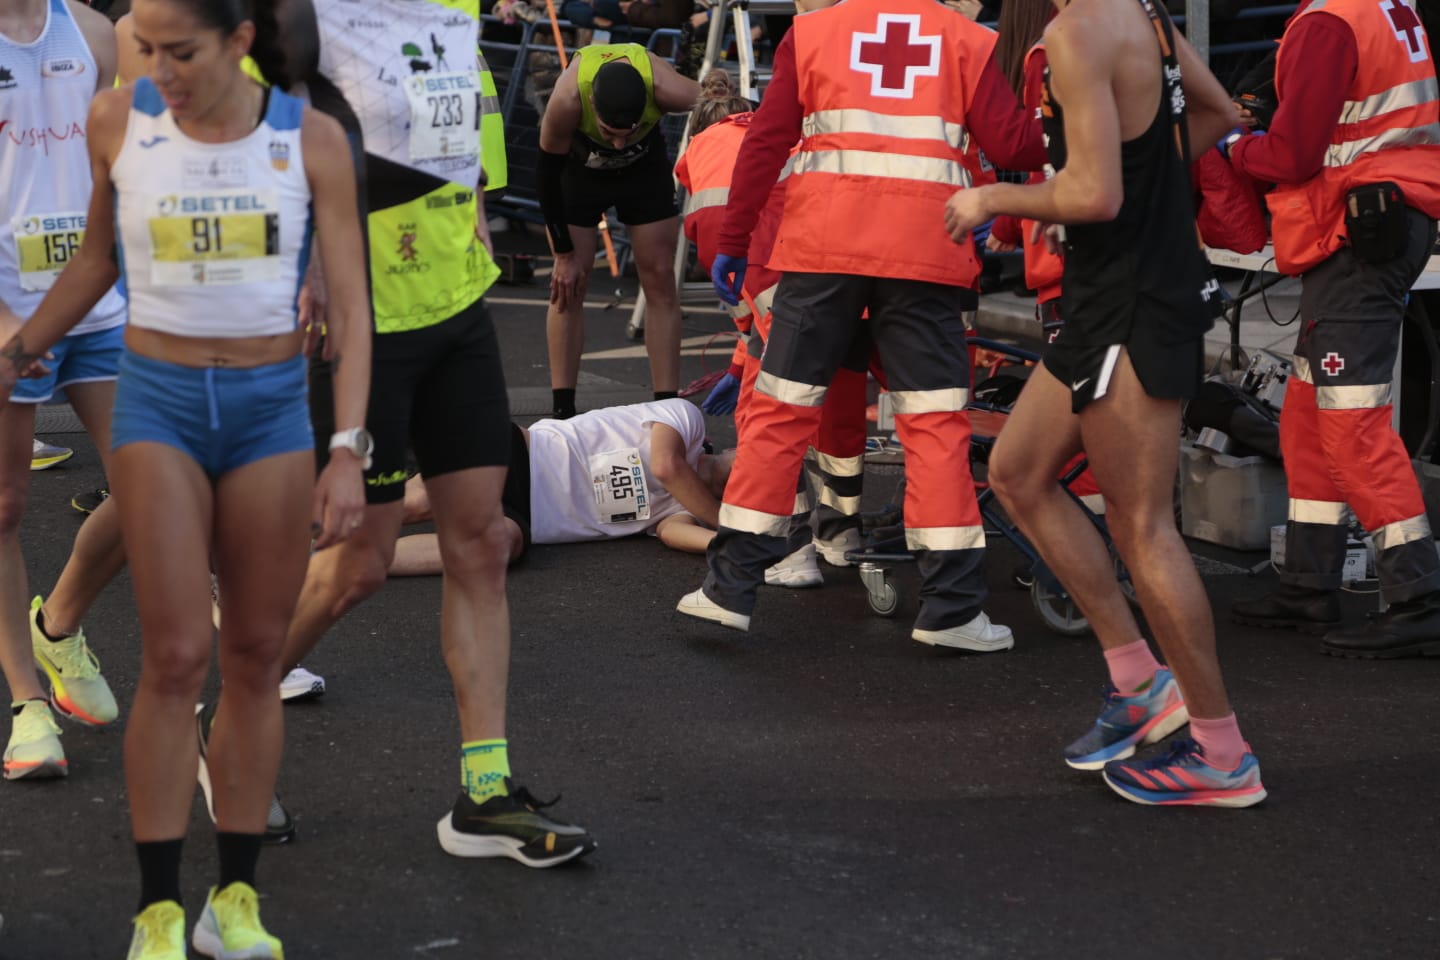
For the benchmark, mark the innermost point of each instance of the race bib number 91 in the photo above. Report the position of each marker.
(216, 237)
(444, 115)
(619, 482)
(44, 244)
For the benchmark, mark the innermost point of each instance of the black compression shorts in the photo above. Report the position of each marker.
(439, 391)
(641, 193)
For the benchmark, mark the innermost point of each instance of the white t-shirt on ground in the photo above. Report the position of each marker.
(565, 456)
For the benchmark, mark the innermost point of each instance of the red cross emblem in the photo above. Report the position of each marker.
(895, 54)
(1407, 27)
(1333, 363)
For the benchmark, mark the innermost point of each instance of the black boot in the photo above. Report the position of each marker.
(1410, 628)
(1299, 608)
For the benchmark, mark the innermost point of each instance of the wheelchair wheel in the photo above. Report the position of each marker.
(1058, 611)
(884, 601)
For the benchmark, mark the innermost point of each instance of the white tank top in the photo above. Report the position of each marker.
(214, 237)
(411, 70)
(45, 92)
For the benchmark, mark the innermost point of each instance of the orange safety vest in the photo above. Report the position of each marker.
(885, 86)
(705, 170)
(1389, 129)
(1043, 269)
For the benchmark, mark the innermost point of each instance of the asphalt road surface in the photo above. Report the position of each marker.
(821, 787)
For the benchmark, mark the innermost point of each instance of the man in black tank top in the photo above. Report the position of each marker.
(1138, 298)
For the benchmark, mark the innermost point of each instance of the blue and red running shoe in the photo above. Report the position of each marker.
(1127, 721)
(1183, 777)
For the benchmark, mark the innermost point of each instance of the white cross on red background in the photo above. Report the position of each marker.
(895, 55)
(1333, 363)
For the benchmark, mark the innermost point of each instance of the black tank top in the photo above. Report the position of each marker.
(1146, 265)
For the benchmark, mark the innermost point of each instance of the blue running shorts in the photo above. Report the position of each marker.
(222, 417)
(81, 358)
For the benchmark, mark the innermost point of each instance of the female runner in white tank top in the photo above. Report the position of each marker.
(213, 180)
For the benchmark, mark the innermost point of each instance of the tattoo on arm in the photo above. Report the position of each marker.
(14, 351)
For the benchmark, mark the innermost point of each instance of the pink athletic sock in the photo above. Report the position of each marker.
(1131, 666)
(1220, 740)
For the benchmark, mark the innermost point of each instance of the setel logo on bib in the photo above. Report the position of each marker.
(214, 237)
(44, 244)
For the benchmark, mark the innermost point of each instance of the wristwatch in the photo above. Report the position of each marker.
(357, 440)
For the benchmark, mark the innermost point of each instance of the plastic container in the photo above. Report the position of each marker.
(1230, 501)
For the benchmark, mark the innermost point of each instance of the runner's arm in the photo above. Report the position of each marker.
(1089, 189)
(682, 532)
(99, 36)
(557, 132)
(673, 93)
(337, 229)
(674, 473)
(129, 64)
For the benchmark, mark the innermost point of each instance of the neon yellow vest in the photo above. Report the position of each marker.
(592, 58)
(492, 132)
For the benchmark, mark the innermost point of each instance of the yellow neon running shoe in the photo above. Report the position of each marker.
(76, 687)
(34, 749)
(45, 455)
(159, 933)
(229, 928)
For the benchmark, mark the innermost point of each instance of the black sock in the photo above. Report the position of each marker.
(40, 622)
(159, 871)
(666, 394)
(239, 852)
(564, 403)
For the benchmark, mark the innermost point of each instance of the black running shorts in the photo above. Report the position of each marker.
(641, 193)
(1167, 371)
(439, 391)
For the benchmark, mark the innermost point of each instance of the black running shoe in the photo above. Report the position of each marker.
(279, 826)
(88, 503)
(511, 825)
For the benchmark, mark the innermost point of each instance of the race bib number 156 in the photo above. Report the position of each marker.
(44, 244)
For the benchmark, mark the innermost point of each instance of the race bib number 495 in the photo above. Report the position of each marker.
(215, 237)
(619, 481)
(44, 243)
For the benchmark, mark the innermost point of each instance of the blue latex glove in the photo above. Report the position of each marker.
(982, 233)
(720, 274)
(722, 398)
(1234, 137)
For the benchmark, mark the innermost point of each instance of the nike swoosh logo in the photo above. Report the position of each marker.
(147, 144)
(1079, 385)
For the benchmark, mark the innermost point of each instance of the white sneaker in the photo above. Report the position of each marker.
(979, 635)
(834, 550)
(797, 570)
(696, 604)
(301, 684)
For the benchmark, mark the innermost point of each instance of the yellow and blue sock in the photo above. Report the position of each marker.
(484, 767)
